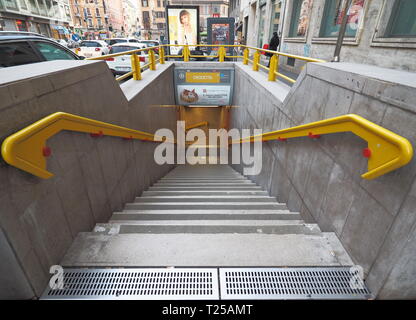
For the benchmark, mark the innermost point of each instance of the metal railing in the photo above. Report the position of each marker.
(221, 55)
(27, 150)
(386, 150)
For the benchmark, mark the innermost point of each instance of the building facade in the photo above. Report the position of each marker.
(131, 18)
(90, 18)
(379, 32)
(153, 19)
(51, 18)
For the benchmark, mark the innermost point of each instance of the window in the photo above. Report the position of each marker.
(299, 21)
(97, 12)
(161, 26)
(145, 3)
(333, 14)
(402, 22)
(89, 22)
(90, 44)
(294, 20)
(158, 3)
(118, 49)
(275, 17)
(14, 54)
(52, 52)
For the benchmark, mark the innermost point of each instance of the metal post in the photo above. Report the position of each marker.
(185, 53)
(272, 68)
(221, 54)
(162, 55)
(245, 56)
(341, 33)
(152, 60)
(256, 60)
(135, 66)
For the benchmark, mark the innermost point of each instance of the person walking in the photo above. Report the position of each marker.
(274, 43)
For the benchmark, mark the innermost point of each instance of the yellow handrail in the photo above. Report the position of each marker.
(386, 150)
(27, 150)
(221, 55)
(196, 125)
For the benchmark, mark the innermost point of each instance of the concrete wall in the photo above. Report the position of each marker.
(93, 176)
(374, 219)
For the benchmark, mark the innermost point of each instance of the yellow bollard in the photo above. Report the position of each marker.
(135, 67)
(152, 59)
(221, 54)
(245, 56)
(185, 53)
(256, 61)
(272, 75)
(162, 55)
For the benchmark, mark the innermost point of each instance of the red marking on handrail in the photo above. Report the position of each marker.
(96, 135)
(281, 139)
(128, 138)
(314, 136)
(366, 152)
(46, 151)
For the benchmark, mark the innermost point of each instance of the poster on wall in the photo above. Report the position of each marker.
(304, 17)
(204, 87)
(183, 26)
(220, 31)
(335, 14)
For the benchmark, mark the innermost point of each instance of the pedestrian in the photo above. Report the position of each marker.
(243, 43)
(274, 43)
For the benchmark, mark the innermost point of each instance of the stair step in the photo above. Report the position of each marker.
(202, 184)
(209, 227)
(205, 215)
(214, 250)
(205, 193)
(215, 198)
(203, 205)
(205, 187)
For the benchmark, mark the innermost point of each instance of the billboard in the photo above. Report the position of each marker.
(220, 31)
(204, 87)
(183, 26)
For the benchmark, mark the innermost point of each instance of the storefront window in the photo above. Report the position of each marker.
(261, 26)
(333, 14)
(402, 22)
(299, 21)
(275, 16)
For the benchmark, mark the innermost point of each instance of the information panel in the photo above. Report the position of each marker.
(204, 87)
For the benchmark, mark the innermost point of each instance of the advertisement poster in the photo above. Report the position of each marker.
(220, 31)
(204, 95)
(304, 16)
(336, 13)
(182, 26)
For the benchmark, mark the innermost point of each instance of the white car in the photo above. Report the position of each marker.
(62, 42)
(92, 48)
(122, 64)
(113, 41)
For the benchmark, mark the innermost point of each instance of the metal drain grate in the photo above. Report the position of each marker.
(142, 284)
(291, 283)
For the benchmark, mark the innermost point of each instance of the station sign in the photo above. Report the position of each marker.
(204, 86)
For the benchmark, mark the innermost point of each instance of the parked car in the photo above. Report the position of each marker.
(113, 41)
(92, 48)
(122, 64)
(24, 48)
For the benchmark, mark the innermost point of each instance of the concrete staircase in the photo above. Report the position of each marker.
(205, 216)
